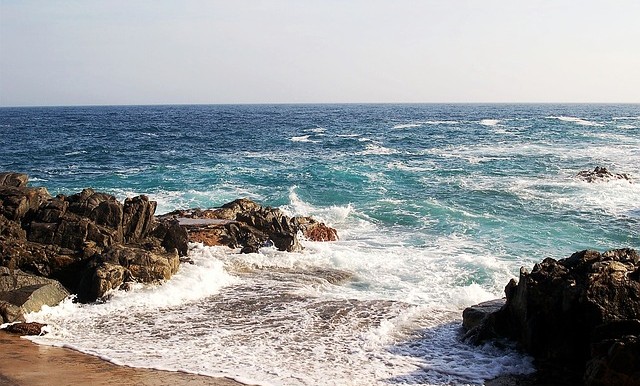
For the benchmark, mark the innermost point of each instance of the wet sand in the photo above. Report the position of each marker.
(23, 363)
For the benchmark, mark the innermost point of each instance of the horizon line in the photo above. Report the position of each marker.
(311, 103)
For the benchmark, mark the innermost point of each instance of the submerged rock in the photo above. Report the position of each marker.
(574, 314)
(601, 174)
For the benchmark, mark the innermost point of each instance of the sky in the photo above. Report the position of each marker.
(90, 52)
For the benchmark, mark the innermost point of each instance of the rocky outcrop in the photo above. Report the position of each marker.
(601, 174)
(581, 314)
(88, 241)
(92, 243)
(247, 225)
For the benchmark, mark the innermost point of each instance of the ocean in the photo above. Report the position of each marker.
(437, 207)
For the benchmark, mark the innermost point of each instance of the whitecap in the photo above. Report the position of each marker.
(303, 138)
(576, 120)
(76, 152)
(406, 125)
(489, 122)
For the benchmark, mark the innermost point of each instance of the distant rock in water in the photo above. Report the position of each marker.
(247, 225)
(601, 174)
(579, 315)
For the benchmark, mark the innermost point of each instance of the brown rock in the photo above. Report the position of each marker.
(137, 218)
(21, 329)
(13, 179)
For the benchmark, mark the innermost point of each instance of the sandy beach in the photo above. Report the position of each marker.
(23, 363)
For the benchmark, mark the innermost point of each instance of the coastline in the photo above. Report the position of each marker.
(24, 363)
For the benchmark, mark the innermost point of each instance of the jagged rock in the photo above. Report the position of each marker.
(558, 310)
(173, 236)
(138, 218)
(22, 329)
(615, 354)
(19, 202)
(13, 179)
(601, 173)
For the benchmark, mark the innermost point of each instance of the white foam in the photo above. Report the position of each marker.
(373, 149)
(76, 152)
(626, 118)
(406, 125)
(627, 127)
(576, 120)
(489, 122)
(303, 138)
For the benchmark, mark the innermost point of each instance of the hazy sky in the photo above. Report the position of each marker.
(149, 52)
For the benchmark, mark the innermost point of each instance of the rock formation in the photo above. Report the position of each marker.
(88, 241)
(580, 315)
(601, 174)
(91, 243)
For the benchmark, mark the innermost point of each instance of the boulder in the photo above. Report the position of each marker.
(173, 236)
(570, 313)
(601, 174)
(32, 298)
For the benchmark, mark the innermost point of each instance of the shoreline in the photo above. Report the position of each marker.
(25, 363)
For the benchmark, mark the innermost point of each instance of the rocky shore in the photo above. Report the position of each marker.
(89, 243)
(578, 317)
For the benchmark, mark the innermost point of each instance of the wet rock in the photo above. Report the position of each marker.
(145, 266)
(473, 316)
(570, 313)
(601, 174)
(22, 329)
(316, 231)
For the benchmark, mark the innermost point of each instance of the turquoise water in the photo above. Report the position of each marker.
(437, 207)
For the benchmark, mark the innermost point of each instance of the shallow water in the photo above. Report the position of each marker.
(437, 207)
